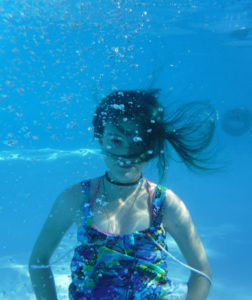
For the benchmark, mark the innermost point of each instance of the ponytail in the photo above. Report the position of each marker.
(189, 130)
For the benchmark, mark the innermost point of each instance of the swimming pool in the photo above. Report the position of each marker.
(59, 58)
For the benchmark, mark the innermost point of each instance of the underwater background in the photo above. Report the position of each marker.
(59, 58)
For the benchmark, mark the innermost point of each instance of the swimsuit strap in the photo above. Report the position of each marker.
(96, 190)
(157, 205)
(85, 188)
(149, 191)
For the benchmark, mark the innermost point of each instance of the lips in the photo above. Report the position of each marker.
(125, 166)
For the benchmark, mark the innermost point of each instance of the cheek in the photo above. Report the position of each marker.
(109, 160)
(142, 166)
(111, 148)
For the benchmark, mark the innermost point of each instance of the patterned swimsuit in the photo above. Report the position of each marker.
(120, 266)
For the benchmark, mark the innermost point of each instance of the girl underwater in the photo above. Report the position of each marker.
(123, 218)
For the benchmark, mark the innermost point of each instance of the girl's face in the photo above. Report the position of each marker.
(119, 143)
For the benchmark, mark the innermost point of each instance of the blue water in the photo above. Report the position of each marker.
(58, 58)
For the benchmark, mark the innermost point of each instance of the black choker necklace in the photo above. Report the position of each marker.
(121, 183)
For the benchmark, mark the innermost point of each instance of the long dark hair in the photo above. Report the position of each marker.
(189, 128)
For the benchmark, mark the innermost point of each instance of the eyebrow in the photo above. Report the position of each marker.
(122, 131)
(126, 132)
(114, 134)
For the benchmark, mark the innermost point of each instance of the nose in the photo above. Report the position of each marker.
(130, 150)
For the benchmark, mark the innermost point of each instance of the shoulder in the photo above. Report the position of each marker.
(71, 195)
(176, 218)
(75, 191)
(74, 194)
(172, 201)
(68, 202)
(160, 191)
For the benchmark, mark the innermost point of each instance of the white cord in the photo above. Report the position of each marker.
(160, 247)
(180, 262)
(53, 263)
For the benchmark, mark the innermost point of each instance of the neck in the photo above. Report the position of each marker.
(112, 181)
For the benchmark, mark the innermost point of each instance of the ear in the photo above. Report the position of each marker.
(98, 139)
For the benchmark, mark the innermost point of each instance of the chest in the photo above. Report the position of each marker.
(122, 216)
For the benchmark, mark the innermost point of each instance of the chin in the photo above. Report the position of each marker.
(123, 172)
(129, 174)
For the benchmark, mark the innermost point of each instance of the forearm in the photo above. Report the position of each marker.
(43, 283)
(198, 287)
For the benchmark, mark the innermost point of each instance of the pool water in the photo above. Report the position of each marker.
(59, 58)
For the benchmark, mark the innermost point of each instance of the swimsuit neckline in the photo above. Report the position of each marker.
(93, 226)
(96, 228)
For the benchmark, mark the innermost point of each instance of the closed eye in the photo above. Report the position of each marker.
(116, 141)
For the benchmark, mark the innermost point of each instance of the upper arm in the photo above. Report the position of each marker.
(62, 215)
(178, 223)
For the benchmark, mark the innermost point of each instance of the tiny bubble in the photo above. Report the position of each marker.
(137, 139)
(134, 66)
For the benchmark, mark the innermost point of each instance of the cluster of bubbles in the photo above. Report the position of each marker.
(46, 45)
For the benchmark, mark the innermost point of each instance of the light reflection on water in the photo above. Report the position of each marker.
(45, 154)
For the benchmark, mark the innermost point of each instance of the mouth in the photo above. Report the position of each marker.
(125, 167)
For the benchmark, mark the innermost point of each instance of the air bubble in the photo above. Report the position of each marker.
(137, 139)
(115, 49)
(134, 66)
(71, 125)
(98, 200)
(27, 135)
(11, 143)
(118, 106)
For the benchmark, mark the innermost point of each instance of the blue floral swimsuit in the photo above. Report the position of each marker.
(120, 266)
